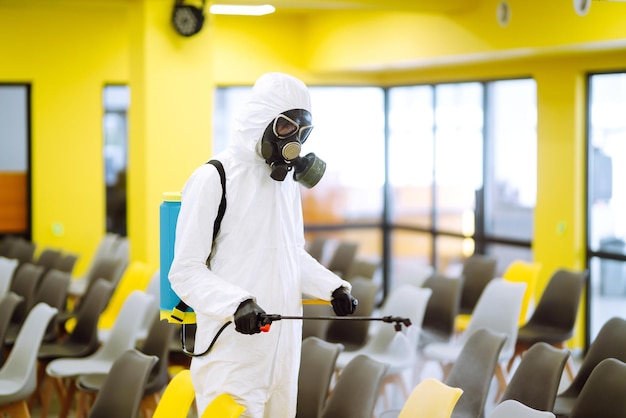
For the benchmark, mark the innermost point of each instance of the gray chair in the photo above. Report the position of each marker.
(603, 392)
(478, 271)
(81, 342)
(356, 390)
(24, 284)
(365, 269)
(22, 250)
(343, 258)
(536, 380)
(51, 291)
(156, 344)
(129, 372)
(316, 248)
(609, 343)
(353, 334)
(48, 258)
(66, 262)
(317, 364)
(473, 372)
(554, 319)
(441, 310)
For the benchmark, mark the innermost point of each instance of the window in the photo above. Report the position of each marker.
(446, 157)
(115, 124)
(606, 197)
(462, 169)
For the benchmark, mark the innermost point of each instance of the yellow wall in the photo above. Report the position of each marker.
(67, 55)
(69, 49)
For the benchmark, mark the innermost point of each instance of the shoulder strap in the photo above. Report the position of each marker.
(222, 208)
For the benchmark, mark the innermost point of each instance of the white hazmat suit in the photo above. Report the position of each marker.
(259, 254)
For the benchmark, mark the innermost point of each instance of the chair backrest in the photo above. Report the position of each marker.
(136, 277)
(124, 331)
(603, 393)
(536, 380)
(48, 258)
(23, 251)
(353, 334)
(441, 309)
(223, 406)
(25, 283)
(431, 398)
(362, 268)
(20, 367)
(7, 270)
(498, 310)
(157, 343)
(130, 372)
(317, 363)
(85, 332)
(177, 397)
(478, 271)
(557, 307)
(53, 291)
(314, 327)
(513, 409)
(524, 272)
(122, 250)
(316, 247)
(6, 245)
(356, 390)
(153, 288)
(343, 258)
(8, 303)
(66, 262)
(406, 301)
(473, 371)
(106, 246)
(609, 343)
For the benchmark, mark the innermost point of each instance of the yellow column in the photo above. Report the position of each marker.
(560, 211)
(170, 116)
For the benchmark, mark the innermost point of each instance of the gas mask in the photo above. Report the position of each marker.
(281, 144)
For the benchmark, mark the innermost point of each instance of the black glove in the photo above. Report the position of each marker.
(343, 302)
(247, 317)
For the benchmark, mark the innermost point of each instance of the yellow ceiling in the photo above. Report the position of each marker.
(432, 6)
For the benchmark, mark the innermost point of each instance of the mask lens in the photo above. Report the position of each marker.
(284, 127)
(305, 131)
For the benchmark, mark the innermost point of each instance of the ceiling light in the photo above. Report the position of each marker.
(232, 9)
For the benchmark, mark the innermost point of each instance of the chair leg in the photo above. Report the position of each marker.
(446, 368)
(502, 382)
(149, 404)
(68, 399)
(48, 385)
(17, 409)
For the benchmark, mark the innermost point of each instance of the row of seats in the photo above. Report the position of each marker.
(596, 391)
(513, 313)
(117, 311)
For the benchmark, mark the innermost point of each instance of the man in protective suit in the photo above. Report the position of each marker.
(257, 263)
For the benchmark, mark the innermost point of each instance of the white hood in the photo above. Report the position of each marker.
(272, 94)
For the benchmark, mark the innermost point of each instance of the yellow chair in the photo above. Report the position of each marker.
(224, 406)
(431, 398)
(179, 395)
(524, 272)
